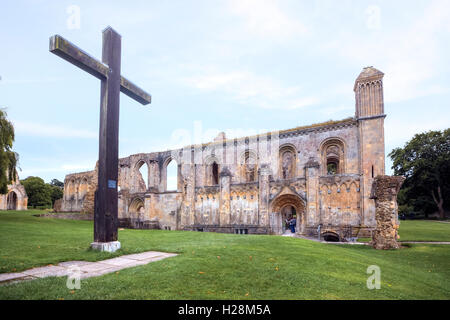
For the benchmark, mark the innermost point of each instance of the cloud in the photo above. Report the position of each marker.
(252, 90)
(29, 80)
(398, 131)
(59, 171)
(46, 130)
(266, 18)
(337, 109)
(411, 55)
(78, 167)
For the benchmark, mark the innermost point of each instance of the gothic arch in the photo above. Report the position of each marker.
(137, 208)
(71, 189)
(83, 188)
(142, 170)
(164, 175)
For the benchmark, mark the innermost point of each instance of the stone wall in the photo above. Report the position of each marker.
(16, 198)
(384, 192)
(79, 192)
(321, 173)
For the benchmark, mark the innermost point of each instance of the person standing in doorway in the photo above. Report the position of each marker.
(292, 224)
(287, 223)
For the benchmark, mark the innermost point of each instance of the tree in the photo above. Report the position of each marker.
(39, 193)
(8, 158)
(57, 183)
(425, 162)
(55, 192)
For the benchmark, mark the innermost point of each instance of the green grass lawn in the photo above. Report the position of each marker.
(424, 230)
(217, 266)
(421, 230)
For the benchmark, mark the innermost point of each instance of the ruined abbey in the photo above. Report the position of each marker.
(16, 198)
(321, 174)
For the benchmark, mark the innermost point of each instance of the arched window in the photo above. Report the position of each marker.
(332, 155)
(287, 165)
(215, 173)
(250, 166)
(172, 176)
(83, 189)
(142, 172)
(70, 189)
(211, 173)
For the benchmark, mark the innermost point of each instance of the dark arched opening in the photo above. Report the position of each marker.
(215, 173)
(330, 237)
(12, 201)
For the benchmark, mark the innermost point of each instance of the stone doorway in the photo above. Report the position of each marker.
(137, 213)
(12, 201)
(285, 206)
(287, 212)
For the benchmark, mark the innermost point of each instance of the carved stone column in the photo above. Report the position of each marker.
(263, 205)
(225, 187)
(312, 197)
(384, 192)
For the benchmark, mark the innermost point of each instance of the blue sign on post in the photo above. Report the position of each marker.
(112, 184)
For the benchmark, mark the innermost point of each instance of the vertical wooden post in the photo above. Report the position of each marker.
(106, 210)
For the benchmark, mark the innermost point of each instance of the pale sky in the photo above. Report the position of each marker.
(242, 67)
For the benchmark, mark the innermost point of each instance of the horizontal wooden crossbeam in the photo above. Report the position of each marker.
(70, 52)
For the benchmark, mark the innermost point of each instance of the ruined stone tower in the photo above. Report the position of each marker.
(370, 116)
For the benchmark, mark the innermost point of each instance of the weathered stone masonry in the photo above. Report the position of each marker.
(16, 198)
(384, 192)
(321, 173)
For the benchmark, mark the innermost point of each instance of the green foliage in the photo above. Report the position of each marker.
(41, 194)
(55, 193)
(425, 162)
(57, 183)
(217, 266)
(331, 168)
(8, 158)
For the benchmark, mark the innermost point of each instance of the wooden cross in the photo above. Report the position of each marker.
(108, 71)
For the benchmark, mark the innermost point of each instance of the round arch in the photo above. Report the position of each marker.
(287, 163)
(332, 153)
(11, 200)
(330, 236)
(282, 201)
